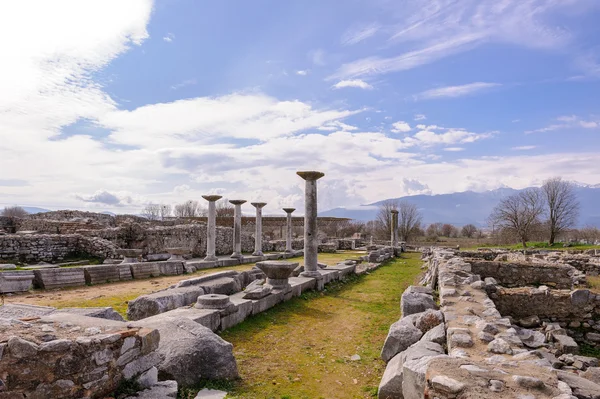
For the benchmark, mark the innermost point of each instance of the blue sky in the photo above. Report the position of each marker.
(110, 105)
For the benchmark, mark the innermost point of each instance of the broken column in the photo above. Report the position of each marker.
(237, 228)
(288, 232)
(211, 227)
(311, 242)
(394, 223)
(258, 231)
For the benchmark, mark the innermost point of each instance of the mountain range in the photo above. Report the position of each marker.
(470, 207)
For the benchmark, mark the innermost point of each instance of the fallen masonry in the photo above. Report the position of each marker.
(509, 325)
(170, 340)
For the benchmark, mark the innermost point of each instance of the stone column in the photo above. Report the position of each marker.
(258, 232)
(211, 227)
(394, 238)
(311, 243)
(288, 230)
(237, 228)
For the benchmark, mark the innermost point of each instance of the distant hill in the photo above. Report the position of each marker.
(33, 209)
(470, 207)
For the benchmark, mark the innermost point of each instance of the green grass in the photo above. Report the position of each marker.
(301, 348)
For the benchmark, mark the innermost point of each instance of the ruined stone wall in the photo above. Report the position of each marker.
(192, 236)
(51, 248)
(59, 360)
(511, 274)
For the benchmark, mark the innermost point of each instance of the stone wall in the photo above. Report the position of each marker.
(55, 357)
(192, 236)
(51, 248)
(511, 274)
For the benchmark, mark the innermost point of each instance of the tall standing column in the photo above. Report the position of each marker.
(258, 232)
(211, 227)
(288, 230)
(311, 243)
(394, 223)
(237, 228)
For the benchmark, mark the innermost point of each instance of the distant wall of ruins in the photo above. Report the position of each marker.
(50, 248)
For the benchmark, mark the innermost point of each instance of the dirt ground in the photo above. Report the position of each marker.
(117, 295)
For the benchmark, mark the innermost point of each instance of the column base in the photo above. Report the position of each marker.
(236, 255)
(288, 251)
(258, 253)
(312, 274)
(211, 258)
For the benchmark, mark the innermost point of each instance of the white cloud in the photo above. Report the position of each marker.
(455, 91)
(401, 127)
(361, 84)
(317, 57)
(169, 37)
(302, 72)
(427, 138)
(454, 149)
(104, 197)
(441, 28)
(568, 122)
(188, 82)
(525, 147)
(358, 34)
(420, 117)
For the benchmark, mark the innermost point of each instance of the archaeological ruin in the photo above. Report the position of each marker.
(487, 323)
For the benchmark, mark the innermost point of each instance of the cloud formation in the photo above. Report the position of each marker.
(455, 91)
(361, 84)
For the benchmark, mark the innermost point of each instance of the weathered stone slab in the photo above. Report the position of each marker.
(107, 313)
(162, 301)
(252, 259)
(301, 284)
(170, 268)
(15, 281)
(209, 318)
(260, 305)
(244, 309)
(101, 274)
(124, 272)
(144, 270)
(329, 275)
(22, 310)
(59, 278)
(202, 264)
(274, 256)
(343, 270)
(229, 262)
(414, 302)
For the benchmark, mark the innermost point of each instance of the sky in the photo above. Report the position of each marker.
(109, 105)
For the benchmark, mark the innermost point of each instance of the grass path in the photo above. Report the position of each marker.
(302, 348)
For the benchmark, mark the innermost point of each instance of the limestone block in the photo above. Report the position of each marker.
(101, 274)
(193, 352)
(144, 270)
(203, 264)
(582, 388)
(566, 344)
(15, 281)
(170, 268)
(59, 278)
(436, 334)
(163, 301)
(401, 335)
(161, 390)
(260, 305)
(413, 302)
(124, 272)
(244, 309)
(209, 318)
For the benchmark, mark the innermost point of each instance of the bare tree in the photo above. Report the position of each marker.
(14, 212)
(187, 209)
(409, 220)
(562, 206)
(151, 211)
(224, 208)
(519, 214)
(165, 211)
(469, 230)
(383, 219)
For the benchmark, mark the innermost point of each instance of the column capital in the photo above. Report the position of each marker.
(258, 204)
(212, 198)
(394, 211)
(289, 210)
(310, 175)
(237, 202)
